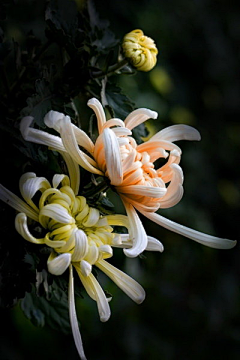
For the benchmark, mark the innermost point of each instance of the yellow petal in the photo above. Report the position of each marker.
(123, 281)
(22, 228)
(73, 316)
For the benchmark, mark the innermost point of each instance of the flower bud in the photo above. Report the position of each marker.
(140, 50)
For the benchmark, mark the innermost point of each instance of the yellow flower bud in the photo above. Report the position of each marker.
(140, 50)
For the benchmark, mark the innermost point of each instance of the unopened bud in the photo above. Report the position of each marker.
(140, 50)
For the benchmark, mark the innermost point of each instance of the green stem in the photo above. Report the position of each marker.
(111, 70)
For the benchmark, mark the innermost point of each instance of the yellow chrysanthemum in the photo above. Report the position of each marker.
(140, 50)
(78, 235)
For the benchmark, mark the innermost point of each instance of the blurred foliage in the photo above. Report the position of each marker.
(51, 57)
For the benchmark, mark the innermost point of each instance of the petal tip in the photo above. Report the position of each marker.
(93, 102)
(52, 118)
(58, 265)
(24, 125)
(141, 297)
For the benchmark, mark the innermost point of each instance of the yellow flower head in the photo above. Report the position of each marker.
(140, 50)
(78, 235)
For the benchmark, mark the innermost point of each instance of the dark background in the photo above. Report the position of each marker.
(192, 307)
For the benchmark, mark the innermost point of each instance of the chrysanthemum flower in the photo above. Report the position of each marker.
(78, 235)
(129, 167)
(140, 50)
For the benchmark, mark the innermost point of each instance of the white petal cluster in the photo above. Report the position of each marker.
(129, 167)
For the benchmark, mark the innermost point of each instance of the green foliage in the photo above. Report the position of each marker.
(68, 56)
(50, 308)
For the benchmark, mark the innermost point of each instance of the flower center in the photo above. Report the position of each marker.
(74, 227)
(139, 168)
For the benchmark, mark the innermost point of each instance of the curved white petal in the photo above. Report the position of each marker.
(60, 178)
(151, 206)
(150, 191)
(73, 316)
(81, 245)
(55, 212)
(175, 189)
(176, 133)
(86, 268)
(138, 116)
(39, 136)
(14, 201)
(52, 119)
(73, 170)
(71, 146)
(25, 177)
(113, 122)
(123, 281)
(174, 158)
(121, 131)
(151, 145)
(105, 251)
(83, 140)
(137, 232)
(98, 109)
(59, 264)
(113, 157)
(29, 185)
(22, 228)
(152, 245)
(204, 239)
(95, 291)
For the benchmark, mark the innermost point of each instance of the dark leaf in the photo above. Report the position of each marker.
(120, 103)
(40, 103)
(139, 132)
(50, 308)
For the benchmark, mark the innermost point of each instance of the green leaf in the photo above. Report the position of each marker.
(61, 17)
(101, 36)
(120, 105)
(139, 132)
(39, 103)
(118, 102)
(52, 311)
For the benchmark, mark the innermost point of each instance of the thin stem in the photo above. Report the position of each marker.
(103, 92)
(111, 70)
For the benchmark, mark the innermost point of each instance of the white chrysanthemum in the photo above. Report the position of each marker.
(129, 167)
